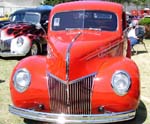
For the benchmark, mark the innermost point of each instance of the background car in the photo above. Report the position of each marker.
(26, 34)
(4, 18)
(3, 23)
(87, 75)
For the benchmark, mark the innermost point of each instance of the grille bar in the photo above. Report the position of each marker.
(5, 45)
(70, 98)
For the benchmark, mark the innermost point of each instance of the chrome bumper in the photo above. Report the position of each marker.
(68, 118)
(9, 54)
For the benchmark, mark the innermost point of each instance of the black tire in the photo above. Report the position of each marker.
(35, 49)
(28, 121)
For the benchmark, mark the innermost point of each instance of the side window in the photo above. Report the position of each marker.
(45, 16)
(124, 22)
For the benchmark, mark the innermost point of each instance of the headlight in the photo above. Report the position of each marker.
(22, 79)
(20, 41)
(121, 82)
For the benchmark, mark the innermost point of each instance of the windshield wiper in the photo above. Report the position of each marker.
(95, 29)
(70, 29)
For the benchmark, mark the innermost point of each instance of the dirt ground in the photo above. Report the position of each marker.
(142, 59)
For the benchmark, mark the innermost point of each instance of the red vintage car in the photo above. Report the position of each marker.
(87, 75)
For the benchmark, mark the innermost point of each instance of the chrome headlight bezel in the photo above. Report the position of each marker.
(121, 82)
(20, 41)
(22, 80)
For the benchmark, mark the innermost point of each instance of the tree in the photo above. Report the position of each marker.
(54, 2)
(136, 2)
(120, 1)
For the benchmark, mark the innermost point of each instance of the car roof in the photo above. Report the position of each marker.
(88, 5)
(40, 9)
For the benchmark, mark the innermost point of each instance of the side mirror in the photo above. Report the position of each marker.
(38, 26)
(46, 22)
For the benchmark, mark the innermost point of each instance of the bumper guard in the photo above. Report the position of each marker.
(75, 118)
(9, 54)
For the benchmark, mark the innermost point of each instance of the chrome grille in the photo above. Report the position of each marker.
(5, 45)
(70, 98)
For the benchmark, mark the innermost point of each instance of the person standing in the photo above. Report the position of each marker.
(132, 35)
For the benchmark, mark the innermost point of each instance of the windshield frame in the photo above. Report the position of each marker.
(114, 19)
(24, 16)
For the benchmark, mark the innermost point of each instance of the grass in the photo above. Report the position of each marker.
(6, 66)
(142, 59)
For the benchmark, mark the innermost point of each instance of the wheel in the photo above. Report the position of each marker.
(35, 49)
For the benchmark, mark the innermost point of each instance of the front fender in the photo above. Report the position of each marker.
(103, 94)
(36, 94)
(22, 48)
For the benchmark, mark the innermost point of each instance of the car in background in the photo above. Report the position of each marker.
(26, 33)
(4, 22)
(4, 18)
(87, 75)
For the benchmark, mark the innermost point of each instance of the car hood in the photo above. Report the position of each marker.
(76, 49)
(81, 43)
(15, 29)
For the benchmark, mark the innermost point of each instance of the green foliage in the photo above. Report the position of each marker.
(136, 2)
(54, 2)
(144, 21)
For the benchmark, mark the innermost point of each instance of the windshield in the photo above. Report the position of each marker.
(33, 18)
(84, 20)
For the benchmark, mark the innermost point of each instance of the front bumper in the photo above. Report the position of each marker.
(68, 118)
(9, 54)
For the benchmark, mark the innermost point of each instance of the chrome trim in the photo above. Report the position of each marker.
(9, 54)
(74, 118)
(112, 81)
(14, 79)
(67, 97)
(68, 54)
(73, 81)
(5, 44)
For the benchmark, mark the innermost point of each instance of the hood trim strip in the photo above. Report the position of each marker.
(68, 55)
